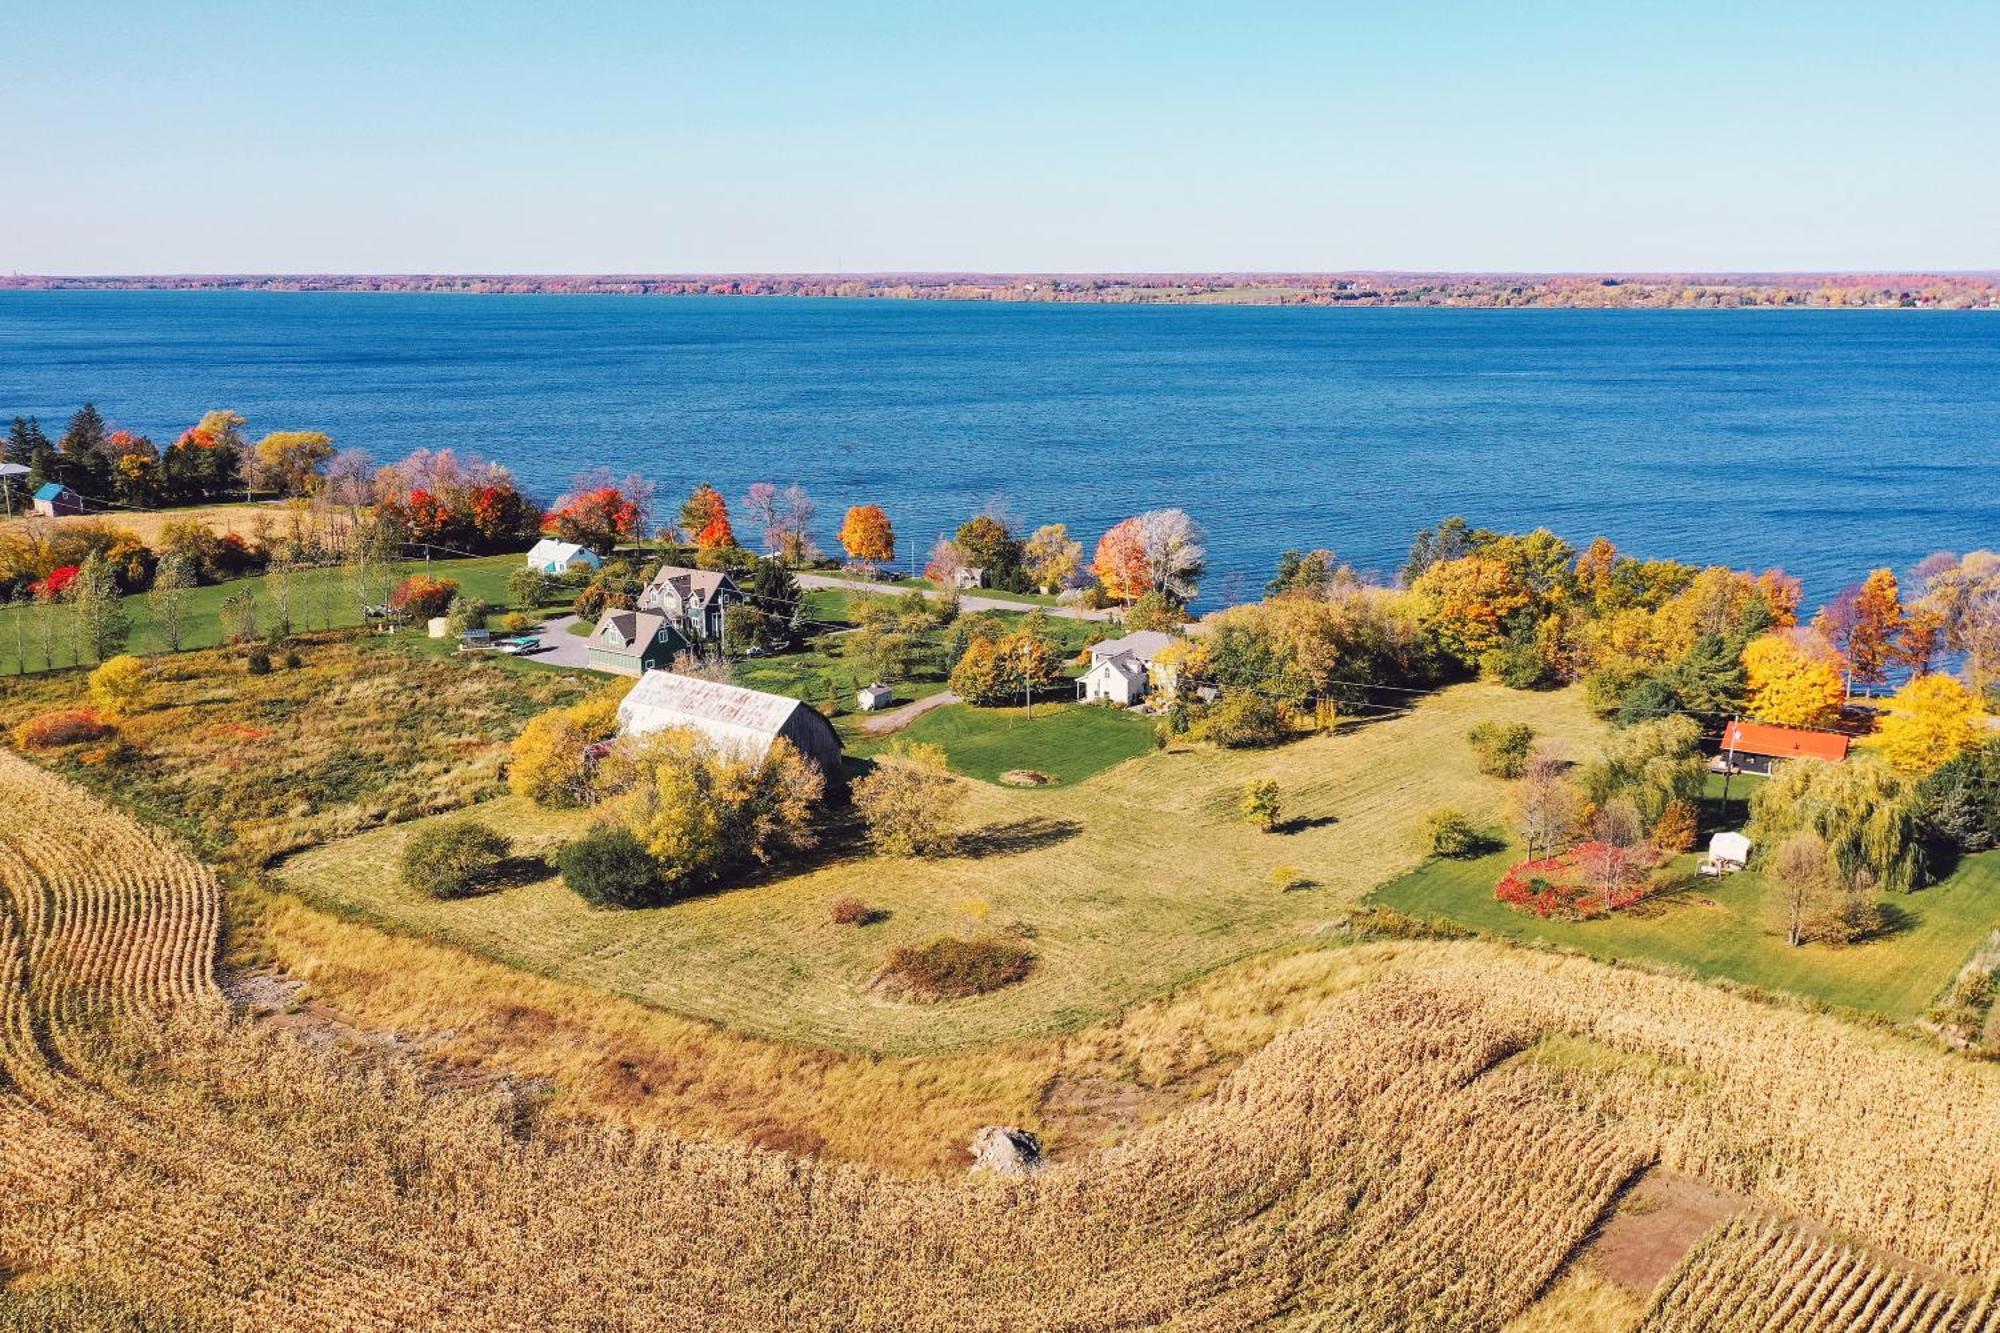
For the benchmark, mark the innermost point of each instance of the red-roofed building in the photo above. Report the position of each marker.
(1753, 747)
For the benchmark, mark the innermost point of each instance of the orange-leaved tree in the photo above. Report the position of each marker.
(599, 518)
(866, 536)
(705, 516)
(1120, 562)
(1467, 603)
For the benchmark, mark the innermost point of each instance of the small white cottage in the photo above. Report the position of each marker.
(558, 558)
(870, 698)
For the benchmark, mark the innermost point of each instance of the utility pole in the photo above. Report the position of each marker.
(1027, 677)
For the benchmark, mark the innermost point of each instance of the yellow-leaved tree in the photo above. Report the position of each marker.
(1931, 720)
(1788, 686)
(548, 765)
(118, 687)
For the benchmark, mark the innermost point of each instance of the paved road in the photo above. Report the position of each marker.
(970, 601)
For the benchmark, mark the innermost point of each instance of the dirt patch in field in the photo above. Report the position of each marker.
(1027, 777)
(1081, 1113)
(1655, 1224)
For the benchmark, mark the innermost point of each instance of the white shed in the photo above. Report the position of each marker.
(553, 557)
(871, 697)
(1727, 852)
(439, 627)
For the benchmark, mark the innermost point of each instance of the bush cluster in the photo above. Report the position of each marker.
(65, 726)
(949, 968)
(453, 860)
(610, 867)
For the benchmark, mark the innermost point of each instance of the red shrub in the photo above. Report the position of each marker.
(422, 597)
(1583, 882)
(55, 585)
(67, 726)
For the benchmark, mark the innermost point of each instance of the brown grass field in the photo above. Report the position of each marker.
(241, 519)
(1426, 1147)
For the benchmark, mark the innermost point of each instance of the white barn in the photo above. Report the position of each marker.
(553, 557)
(739, 721)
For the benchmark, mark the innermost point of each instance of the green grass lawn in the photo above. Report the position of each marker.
(321, 598)
(1724, 928)
(1133, 881)
(1069, 742)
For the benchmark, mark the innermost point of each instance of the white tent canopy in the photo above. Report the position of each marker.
(1729, 847)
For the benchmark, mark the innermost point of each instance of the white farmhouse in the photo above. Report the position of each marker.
(1121, 670)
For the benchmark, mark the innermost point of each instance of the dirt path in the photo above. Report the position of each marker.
(881, 724)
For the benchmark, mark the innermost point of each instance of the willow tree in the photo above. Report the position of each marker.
(1866, 813)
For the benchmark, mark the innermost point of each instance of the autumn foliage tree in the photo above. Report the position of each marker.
(1120, 561)
(705, 516)
(1931, 721)
(598, 518)
(1789, 686)
(1468, 602)
(867, 537)
(1866, 622)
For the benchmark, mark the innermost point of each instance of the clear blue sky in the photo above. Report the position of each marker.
(733, 135)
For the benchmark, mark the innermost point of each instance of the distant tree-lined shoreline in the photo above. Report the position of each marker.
(1910, 290)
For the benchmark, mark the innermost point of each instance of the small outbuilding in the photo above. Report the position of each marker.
(735, 720)
(439, 627)
(54, 500)
(557, 558)
(971, 576)
(870, 698)
(1727, 854)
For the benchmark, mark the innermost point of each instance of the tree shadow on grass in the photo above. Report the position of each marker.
(1303, 824)
(515, 871)
(1892, 920)
(1020, 835)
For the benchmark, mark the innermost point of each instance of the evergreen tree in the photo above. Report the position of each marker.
(85, 465)
(29, 446)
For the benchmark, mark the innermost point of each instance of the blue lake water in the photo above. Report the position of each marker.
(1825, 442)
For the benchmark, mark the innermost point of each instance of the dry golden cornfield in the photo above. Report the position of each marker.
(1423, 1153)
(1766, 1275)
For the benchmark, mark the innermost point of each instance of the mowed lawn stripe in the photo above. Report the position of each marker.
(1131, 883)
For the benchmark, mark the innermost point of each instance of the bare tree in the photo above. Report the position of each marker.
(1548, 807)
(796, 511)
(1803, 871)
(1175, 550)
(761, 502)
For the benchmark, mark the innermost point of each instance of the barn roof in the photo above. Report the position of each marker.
(664, 699)
(1784, 742)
